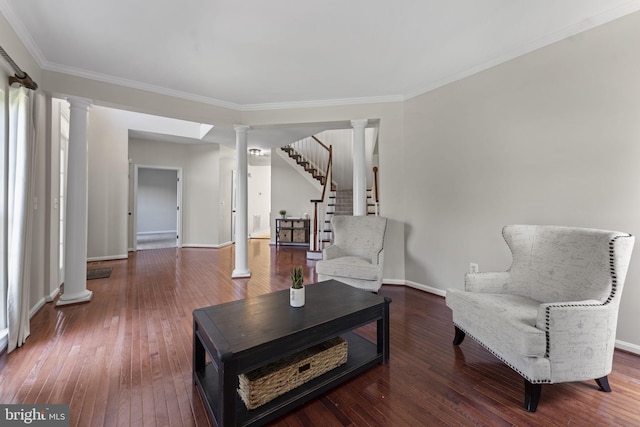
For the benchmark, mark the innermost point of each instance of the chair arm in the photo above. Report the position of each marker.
(580, 338)
(377, 257)
(332, 252)
(556, 317)
(490, 282)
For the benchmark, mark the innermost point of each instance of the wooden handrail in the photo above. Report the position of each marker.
(327, 174)
(375, 182)
(320, 142)
(317, 236)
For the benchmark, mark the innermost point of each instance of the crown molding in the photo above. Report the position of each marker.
(77, 72)
(21, 31)
(133, 84)
(322, 103)
(584, 25)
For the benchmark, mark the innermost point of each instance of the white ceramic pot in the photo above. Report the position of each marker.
(296, 297)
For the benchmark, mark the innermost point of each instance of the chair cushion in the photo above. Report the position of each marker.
(349, 266)
(504, 322)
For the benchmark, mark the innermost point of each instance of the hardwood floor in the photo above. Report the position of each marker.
(125, 358)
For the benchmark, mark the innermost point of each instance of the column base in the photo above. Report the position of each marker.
(84, 296)
(238, 274)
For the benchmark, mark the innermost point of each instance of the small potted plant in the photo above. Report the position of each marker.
(283, 213)
(296, 295)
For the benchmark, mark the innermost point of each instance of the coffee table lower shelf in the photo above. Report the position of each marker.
(362, 354)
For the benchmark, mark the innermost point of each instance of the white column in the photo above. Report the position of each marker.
(359, 168)
(75, 245)
(242, 250)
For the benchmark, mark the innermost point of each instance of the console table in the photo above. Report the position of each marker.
(292, 231)
(239, 336)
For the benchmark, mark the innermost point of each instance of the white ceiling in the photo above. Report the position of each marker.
(249, 54)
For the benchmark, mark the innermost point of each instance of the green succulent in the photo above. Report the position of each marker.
(297, 277)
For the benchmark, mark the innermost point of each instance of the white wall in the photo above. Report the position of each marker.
(289, 192)
(552, 137)
(108, 135)
(227, 164)
(392, 173)
(200, 186)
(109, 230)
(157, 200)
(259, 199)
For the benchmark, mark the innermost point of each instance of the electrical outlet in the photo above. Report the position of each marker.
(473, 267)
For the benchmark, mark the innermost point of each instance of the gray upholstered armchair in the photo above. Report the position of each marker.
(552, 316)
(356, 255)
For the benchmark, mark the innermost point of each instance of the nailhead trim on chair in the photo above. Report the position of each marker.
(504, 361)
(614, 289)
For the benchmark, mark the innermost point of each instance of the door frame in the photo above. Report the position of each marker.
(134, 225)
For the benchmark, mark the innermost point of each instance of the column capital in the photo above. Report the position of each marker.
(241, 128)
(79, 102)
(359, 123)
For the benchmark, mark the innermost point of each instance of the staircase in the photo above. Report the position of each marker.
(307, 164)
(316, 160)
(341, 203)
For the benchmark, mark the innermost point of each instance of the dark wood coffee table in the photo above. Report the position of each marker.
(239, 336)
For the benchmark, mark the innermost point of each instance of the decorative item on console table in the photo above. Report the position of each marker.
(283, 213)
(296, 296)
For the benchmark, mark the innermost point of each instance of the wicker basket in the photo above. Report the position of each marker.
(270, 381)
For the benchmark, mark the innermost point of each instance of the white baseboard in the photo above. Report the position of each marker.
(208, 246)
(36, 307)
(394, 282)
(259, 233)
(52, 295)
(426, 288)
(142, 233)
(631, 348)
(108, 258)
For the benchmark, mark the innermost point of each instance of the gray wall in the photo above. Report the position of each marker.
(552, 137)
(157, 200)
(200, 198)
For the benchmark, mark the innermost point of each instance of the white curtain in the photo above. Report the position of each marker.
(21, 165)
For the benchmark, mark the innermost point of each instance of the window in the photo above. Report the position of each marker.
(64, 144)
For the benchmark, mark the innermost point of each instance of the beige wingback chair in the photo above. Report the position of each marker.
(552, 316)
(356, 255)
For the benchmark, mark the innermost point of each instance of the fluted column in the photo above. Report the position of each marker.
(359, 168)
(242, 250)
(75, 245)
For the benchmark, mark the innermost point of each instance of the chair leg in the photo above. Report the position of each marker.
(531, 395)
(457, 340)
(603, 383)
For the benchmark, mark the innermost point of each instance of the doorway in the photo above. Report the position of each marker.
(157, 213)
